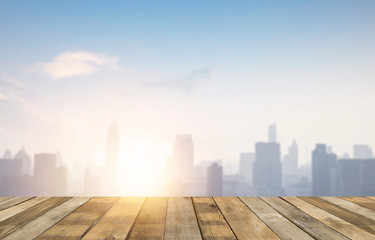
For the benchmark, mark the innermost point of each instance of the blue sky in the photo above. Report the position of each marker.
(221, 70)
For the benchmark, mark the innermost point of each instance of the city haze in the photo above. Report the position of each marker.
(217, 71)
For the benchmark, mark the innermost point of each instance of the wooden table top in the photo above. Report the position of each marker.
(187, 218)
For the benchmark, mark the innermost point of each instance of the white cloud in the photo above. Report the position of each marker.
(69, 64)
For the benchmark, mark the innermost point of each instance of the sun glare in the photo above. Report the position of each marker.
(141, 166)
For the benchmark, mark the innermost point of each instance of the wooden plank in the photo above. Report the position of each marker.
(2, 199)
(211, 221)
(244, 223)
(150, 223)
(181, 220)
(11, 224)
(279, 224)
(304, 221)
(36, 227)
(12, 201)
(343, 227)
(362, 201)
(368, 213)
(343, 213)
(75, 225)
(117, 222)
(9, 212)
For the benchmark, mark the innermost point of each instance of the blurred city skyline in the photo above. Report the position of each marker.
(219, 71)
(145, 171)
(273, 77)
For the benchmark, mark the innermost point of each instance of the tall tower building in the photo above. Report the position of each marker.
(272, 133)
(267, 168)
(26, 161)
(49, 180)
(246, 166)
(215, 180)
(183, 157)
(290, 162)
(7, 154)
(362, 152)
(323, 171)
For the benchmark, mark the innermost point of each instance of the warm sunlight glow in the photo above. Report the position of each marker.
(142, 163)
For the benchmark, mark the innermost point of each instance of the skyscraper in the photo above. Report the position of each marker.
(26, 161)
(183, 157)
(290, 162)
(7, 154)
(215, 180)
(267, 168)
(49, 180)
(361, 151)
(272, 133)
(348, 177)
(323, 171)
(246, 166)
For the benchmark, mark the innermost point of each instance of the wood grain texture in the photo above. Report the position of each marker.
(244, 223)
(181, 220)
(345, 214)
(9, 212)
(11, 224)
(368, 213)
(117, 222)
(307, 223)
(2, 199)
(362, 201)
(75, 225)
(211, 221)
(12, 201)
(279, 224)
(37, 226)
(150, 223)
(343, 227)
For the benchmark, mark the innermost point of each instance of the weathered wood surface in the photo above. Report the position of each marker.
(211, 221)
(181, 220)
(280, 225)
(150, 223)
(187, 218)
(343, 227)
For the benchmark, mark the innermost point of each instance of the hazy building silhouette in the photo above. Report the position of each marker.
(26, 161)
(355, 177)
(290, 161)
(362, 152)
(49, 180)
(272, 133)
(183, 158)
(7, 154)
(368, 177)
(246, 166)
(92, 183)
(349, 177)
(9, 168)
(323, 171)
(329, 149)
(267, 168)
(215, 180)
